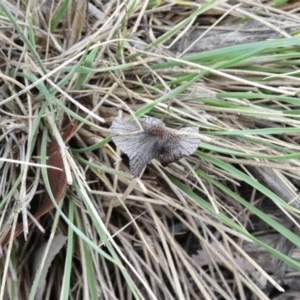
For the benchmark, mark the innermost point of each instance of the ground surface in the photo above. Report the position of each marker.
(221, 223)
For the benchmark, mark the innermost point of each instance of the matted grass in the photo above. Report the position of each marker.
(179, 232)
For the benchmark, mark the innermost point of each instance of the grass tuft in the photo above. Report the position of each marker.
(195, 229)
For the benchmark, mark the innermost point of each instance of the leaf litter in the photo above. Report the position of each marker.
(104, 50)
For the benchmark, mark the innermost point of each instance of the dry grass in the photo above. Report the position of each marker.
(181, 232)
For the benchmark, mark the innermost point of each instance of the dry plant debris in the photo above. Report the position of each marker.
(221, 223)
